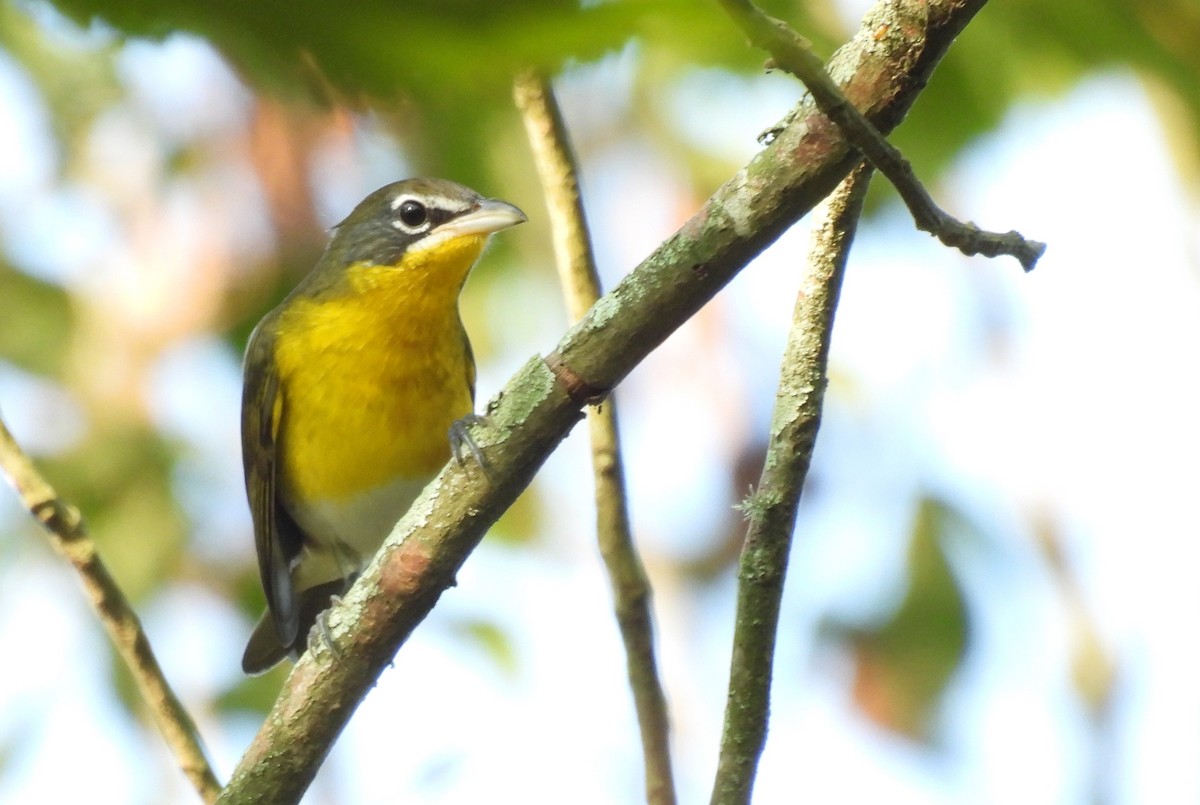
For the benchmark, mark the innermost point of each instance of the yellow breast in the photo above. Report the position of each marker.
(372, 379)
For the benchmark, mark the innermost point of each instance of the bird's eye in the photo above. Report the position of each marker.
(413, 214)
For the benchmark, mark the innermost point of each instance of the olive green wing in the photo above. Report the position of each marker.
(276, 536)
(459, 434)
(470, 362)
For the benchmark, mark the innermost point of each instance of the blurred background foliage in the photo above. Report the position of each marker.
(192, 155)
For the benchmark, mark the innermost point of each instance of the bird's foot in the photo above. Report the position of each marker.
(460, 438)
(320, 633)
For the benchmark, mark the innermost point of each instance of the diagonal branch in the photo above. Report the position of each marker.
(771, 509)
(540, 404)
(70, 539)
(581, 286)
(792, 52)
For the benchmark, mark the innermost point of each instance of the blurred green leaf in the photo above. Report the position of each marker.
(905, 664)
(523, 520)
(120, 478)
(490, 638)
(254, 694)
(1095, 668)
(38, 321)
(1031, 49)
(387, 50)
(440, 72)
(76, 82)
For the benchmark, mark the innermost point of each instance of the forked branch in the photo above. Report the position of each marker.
(791, 52)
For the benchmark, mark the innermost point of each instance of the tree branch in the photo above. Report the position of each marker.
(771, 509)
(70, 539)
(884, 70)
(581, 286)
(793, 53)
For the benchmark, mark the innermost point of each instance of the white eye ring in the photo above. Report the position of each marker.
(412, 215)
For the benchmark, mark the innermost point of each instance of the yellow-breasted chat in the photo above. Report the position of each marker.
(352, 385)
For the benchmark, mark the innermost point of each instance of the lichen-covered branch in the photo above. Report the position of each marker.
(882, 70)
(581, 288)
(70, 539)
(792, 52)
(771, 509)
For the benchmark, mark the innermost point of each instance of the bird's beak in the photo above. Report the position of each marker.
(489, 215)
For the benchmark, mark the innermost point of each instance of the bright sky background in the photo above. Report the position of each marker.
(1089, 414)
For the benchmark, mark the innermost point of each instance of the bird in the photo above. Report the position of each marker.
(352, 388)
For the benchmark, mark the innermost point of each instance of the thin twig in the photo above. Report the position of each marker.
(69, 537)
(771, 509)
(581, 287)
(793, 53)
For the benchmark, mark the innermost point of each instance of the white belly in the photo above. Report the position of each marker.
(349, 532)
